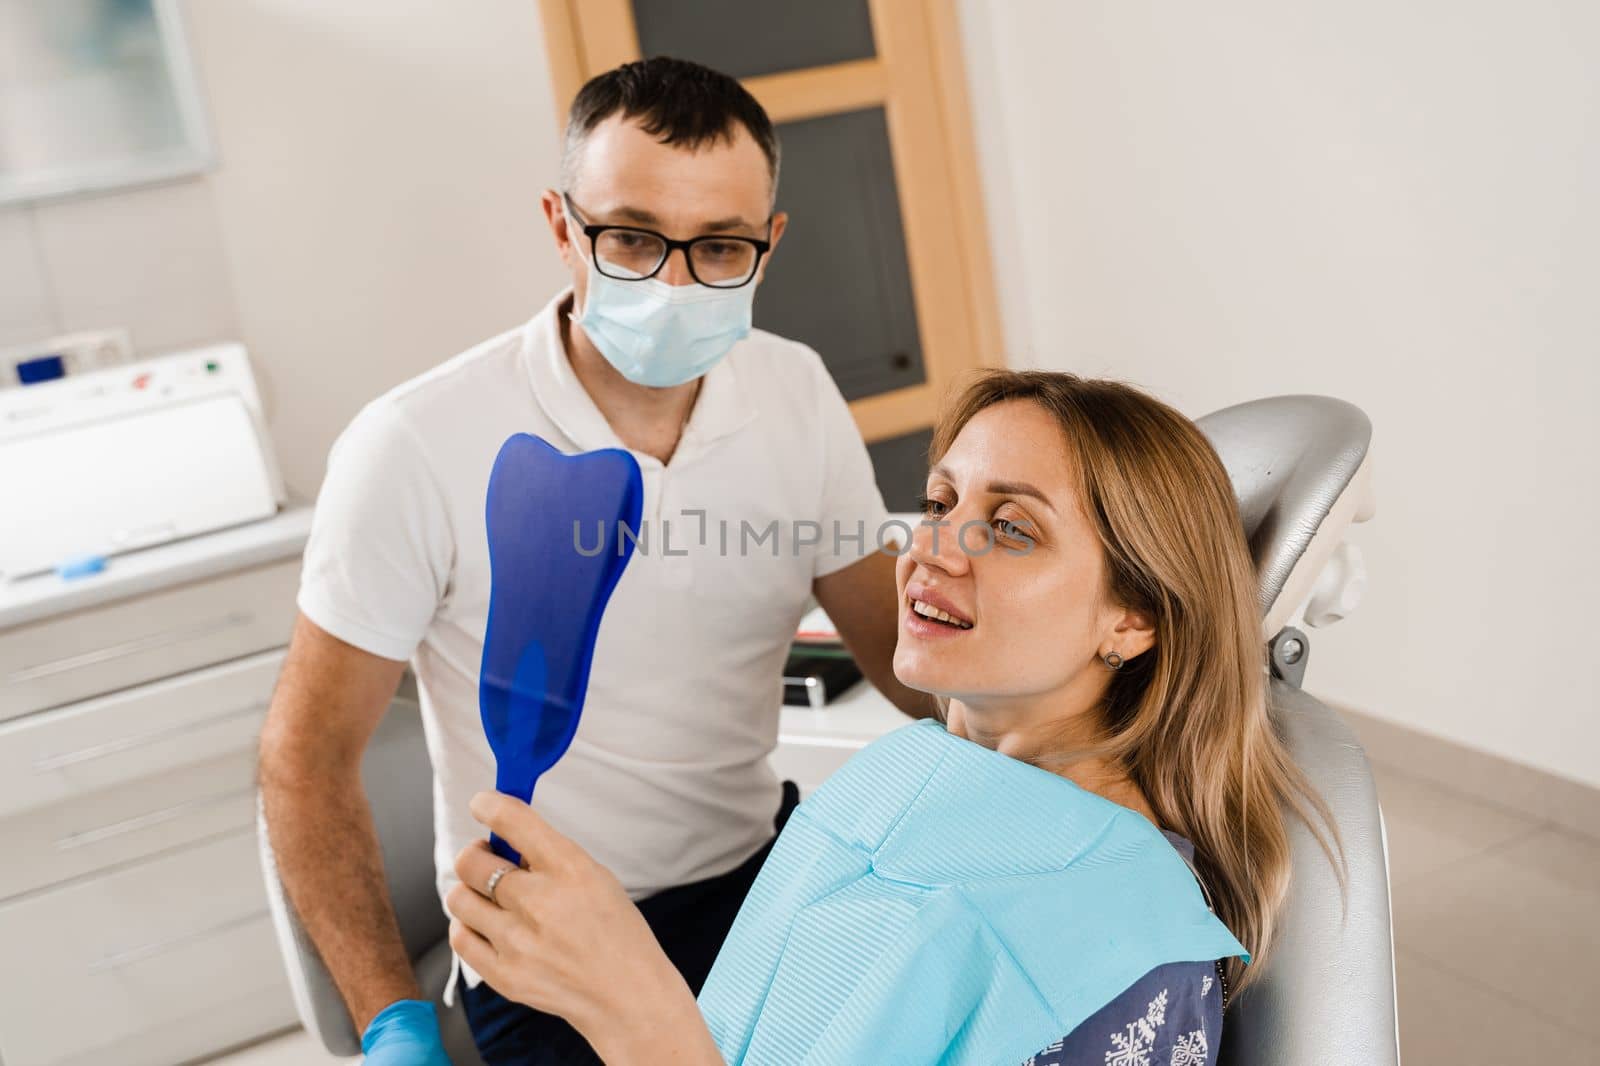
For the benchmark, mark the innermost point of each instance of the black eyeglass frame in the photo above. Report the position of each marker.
(593, 232)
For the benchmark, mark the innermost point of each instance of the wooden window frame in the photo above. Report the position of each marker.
(918, 79)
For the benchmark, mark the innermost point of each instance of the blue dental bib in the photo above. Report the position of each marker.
(556, 553)
(938, 902)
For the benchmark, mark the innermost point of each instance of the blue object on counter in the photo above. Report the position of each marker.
(44, 368)
(80, 566)
(556, 551)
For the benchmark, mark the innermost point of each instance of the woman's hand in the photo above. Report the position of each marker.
(563, 937)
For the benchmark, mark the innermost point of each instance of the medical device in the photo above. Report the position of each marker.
(130, 456)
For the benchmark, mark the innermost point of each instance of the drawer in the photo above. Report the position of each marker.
(149, 957)
(114, 646)
(49, 845)
(59, 755)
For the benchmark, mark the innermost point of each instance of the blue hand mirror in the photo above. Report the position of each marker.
(556, 552)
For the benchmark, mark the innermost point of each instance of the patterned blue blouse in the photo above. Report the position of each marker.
(1172, 1016)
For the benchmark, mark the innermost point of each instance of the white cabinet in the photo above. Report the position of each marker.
(137, 733)
(133, 916)
(105, 648)
(143, 954)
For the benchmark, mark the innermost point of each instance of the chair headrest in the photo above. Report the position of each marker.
(1301, 470)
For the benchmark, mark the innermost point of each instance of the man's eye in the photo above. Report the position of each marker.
(721, 249)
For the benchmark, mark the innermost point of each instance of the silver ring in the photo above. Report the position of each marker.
(494, 882)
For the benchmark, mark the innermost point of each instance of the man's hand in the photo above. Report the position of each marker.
(405, 1033)
(562, 936)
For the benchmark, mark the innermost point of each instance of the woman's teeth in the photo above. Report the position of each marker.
(929, 611)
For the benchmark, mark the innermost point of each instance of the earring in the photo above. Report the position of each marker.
(1113, 660)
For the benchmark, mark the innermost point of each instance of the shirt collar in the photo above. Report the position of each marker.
(721, 409)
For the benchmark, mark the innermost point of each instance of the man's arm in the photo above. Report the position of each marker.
(328, 701)
(864, 605)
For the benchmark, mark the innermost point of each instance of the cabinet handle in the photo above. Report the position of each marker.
(129, 647)
(117, 961)
(139, 740)
(145, 821)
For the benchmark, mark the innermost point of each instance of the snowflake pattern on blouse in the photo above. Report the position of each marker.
(1162, 1019)
(1191, 1050)
(1132, 1046)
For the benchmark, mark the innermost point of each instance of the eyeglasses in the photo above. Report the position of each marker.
(628, 253)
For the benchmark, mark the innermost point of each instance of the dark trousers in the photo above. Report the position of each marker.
(690, 922)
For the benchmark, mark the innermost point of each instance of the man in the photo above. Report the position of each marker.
(758, 493)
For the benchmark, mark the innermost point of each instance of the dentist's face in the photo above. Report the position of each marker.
(1027, 621)
(626, 177)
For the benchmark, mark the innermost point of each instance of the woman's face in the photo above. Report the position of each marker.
(1030, 620)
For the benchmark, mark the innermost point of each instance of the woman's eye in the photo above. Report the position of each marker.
(1013, 530)
(933, 508)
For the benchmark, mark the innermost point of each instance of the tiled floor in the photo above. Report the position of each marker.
(1497, 929)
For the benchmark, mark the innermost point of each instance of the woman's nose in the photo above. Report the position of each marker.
(934, 543)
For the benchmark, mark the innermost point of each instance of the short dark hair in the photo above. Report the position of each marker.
(675, 101)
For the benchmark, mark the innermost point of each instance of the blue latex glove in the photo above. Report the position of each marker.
(405, 1033)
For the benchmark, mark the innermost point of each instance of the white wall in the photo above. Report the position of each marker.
(1390, 203)
(374, 210)
(381, 162)
(147, 259)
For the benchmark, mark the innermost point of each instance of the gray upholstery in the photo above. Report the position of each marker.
(1327, 995)
(1300, 466)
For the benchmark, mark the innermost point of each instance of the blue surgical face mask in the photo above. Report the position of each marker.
(659, 334)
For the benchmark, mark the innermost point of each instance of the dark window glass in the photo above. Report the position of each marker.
(745, 38)
(839, 280)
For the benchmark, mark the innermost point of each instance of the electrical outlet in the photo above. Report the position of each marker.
(59, 357)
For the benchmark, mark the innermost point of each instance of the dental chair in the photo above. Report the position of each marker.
(1302, 472)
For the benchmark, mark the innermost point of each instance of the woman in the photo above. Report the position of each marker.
(1108, 634)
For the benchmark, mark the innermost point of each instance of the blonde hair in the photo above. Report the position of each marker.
(1187, 720)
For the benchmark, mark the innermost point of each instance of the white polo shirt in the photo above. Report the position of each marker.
(667, 779)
